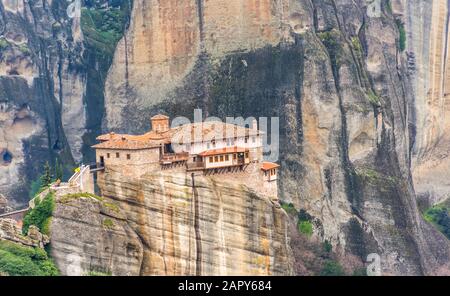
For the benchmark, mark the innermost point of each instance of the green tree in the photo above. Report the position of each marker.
(58, 170)
(41, 215)
(46, 178)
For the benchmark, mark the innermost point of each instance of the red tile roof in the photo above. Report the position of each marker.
(267, 166)
(160, 116)
(195, 132)
(230, 150)
(127, 144)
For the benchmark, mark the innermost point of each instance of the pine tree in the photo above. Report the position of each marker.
(46, 178)
(58, 171)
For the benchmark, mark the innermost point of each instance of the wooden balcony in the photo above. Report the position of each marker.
(195, 166)
(174, 157)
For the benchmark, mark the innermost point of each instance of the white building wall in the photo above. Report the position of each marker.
(197, 148)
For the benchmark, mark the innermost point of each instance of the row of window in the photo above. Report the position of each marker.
(230, 142)
(108, 155)
(226, 157)
(270, 173)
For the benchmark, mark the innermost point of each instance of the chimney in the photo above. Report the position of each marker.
(160, 123)
(255, 124)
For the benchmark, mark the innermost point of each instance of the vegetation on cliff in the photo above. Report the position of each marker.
(439, 216)
(18, 260)
(103, 28)
(41, 215)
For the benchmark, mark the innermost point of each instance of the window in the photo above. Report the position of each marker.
(128, 156)
(108, 155)
(235, 156)
(194, 159)
(246, 140)
(216, 158)
(211, 159)
(221, 158)
(246, 154)
(214, 143)
(117, 155)
(227, 157)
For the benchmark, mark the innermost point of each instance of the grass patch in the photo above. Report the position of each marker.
(41, 215)
(374, 178)
(4, 44)
(18, 260)
(108, 223)
(374, 99)
(305, 227)
(74, 196)
(356, 44)
(112, 207)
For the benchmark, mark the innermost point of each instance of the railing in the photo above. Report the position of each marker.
(195, 165)
(175, 157)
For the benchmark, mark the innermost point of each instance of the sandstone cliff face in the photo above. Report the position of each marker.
(428, 32)
(170, 224)
(339, 83)
(41, 93)
(363, 125)
(201, 226)
(51, 86)
(89, 236)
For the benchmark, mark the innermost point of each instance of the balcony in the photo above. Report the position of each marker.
(195, 166)
(174, 157)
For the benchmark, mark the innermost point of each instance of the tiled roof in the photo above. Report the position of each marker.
(223, 151)
(195, 132)
(160, 116)
(267, 166)
(126, 144)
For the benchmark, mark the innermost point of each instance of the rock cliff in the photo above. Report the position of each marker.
(171, 224)
(427, 26)
(361, 98)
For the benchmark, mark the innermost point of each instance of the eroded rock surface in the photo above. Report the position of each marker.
(202, 226)
(88, 236)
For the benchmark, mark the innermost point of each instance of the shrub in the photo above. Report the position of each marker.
(289, 208)
(305, 227)
(439, 216)
(327, 247)
(373, 98)
(304, 216)
(103, 28)
(40, 215)
(108, 223)
(18, 260)
(402, 37)
(332, 268)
